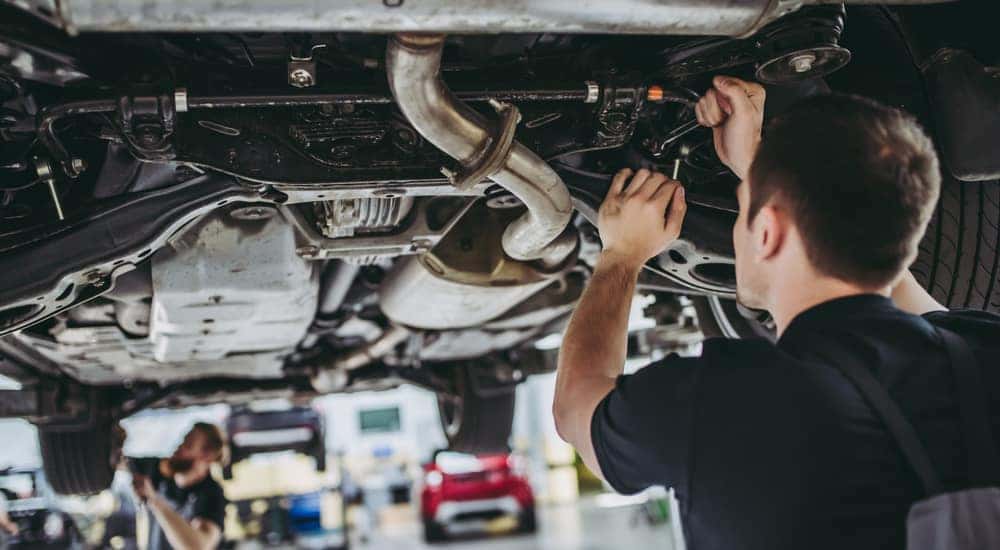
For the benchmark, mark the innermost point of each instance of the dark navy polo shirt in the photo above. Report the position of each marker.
(769, 446)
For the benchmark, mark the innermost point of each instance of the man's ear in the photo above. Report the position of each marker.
(769, 231)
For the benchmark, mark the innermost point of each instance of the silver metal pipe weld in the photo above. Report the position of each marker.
(414, 69)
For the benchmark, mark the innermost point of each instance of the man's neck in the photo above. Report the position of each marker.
(797, 294)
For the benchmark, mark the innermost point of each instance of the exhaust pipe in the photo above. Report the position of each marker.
(332, 374)
(414, 70)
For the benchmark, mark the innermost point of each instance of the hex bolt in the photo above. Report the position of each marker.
(307, 251)
(802, 63)
(449, 173)
(148, 138)
(93, 278)
(78, 165)
(44, 172)
(421, 245)
(301, 78)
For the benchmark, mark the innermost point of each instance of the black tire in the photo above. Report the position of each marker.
(959, 257)
(80, 462)
(528, 522)
(476, 420)
(434, 532)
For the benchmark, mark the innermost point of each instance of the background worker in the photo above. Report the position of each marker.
(186, 505)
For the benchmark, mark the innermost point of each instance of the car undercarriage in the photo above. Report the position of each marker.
(249, 202)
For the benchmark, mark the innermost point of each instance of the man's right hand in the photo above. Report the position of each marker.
(639, 221)
(142, 486)
(734, 109)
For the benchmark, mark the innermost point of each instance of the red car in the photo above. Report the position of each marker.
(464, 492)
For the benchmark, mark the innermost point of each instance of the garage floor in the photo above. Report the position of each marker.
(593, 523)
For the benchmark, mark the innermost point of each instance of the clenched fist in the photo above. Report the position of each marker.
(142, 486)
(639, 220)
(734, 110)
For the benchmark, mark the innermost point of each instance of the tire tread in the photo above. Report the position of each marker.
(77, 462)
(958, 259)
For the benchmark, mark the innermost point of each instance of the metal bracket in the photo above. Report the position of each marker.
(45, 175)
(302, 69)
(417, 237)
(618, 112)
(53, 405)
(20, 403)
(147, 122)
(494, 154)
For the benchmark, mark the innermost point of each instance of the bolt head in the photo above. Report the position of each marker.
(93, 277)
(307, 251)
(802, 63)
(450, 174)
(422, 245)
(301, 78)
(42, 168)
(148, 137)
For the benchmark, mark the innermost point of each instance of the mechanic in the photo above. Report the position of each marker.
(186, 505)
(769, 445)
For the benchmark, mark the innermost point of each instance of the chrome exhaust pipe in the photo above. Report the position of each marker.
(413, 62)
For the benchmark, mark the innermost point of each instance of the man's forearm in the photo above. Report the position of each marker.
(178, 531)
(596, 340)
(6, 524)
(595, 345)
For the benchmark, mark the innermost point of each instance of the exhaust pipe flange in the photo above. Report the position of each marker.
(414, 70)
(498, 148)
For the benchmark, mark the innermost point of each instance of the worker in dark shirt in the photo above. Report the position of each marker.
(768, 445)
(186, 506)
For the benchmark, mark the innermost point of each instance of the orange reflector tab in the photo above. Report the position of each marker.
(654, 93)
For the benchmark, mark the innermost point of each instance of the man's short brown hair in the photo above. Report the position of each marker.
(214, 439)
(858, 179)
